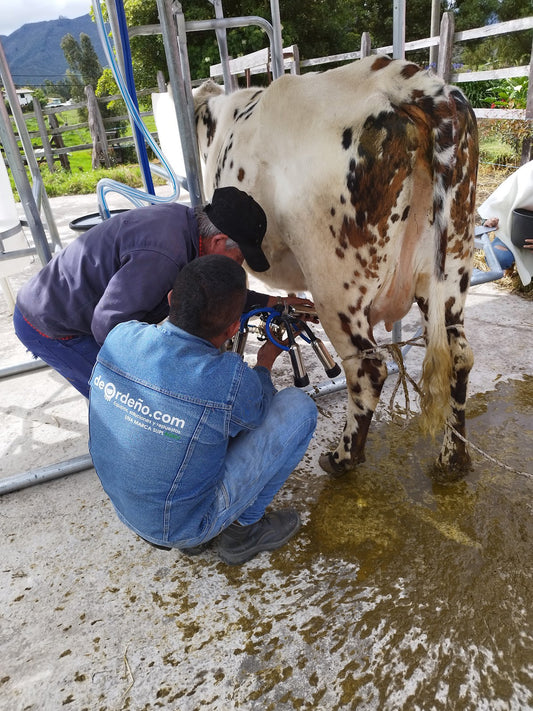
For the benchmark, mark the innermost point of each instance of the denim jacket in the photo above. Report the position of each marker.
(163, 407)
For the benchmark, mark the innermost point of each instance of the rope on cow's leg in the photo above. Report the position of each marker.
(394, 350)
(488, 456)
(403, 378)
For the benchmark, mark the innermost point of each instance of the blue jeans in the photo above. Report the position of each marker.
(259, 461)
(73, 358)
(503, 253)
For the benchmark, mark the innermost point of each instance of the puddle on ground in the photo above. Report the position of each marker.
(418, 595)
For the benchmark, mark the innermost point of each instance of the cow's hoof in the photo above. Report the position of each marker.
(441, 474)
(329, 465)
(451, 469)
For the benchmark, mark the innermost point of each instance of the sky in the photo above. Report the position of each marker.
(15, 13)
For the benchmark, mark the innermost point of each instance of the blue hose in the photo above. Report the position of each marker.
(272, 314)
(107, 185)
(130, 83)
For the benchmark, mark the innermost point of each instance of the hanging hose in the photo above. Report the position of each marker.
(107, 185)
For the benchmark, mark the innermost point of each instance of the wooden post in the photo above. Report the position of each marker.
(97, 130)
(161, 84)
(295, 64)
(527, 146)
(44, 134)
(366, 44)
(447, 29)
(58, 142)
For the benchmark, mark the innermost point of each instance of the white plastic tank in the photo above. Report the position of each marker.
(168, 131)
(8, 210)
(11, 238)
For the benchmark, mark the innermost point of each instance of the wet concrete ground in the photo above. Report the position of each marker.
(397, 594)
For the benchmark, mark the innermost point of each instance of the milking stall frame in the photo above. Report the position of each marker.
(173, 29)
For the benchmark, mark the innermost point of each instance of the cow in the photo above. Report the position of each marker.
(367, 175)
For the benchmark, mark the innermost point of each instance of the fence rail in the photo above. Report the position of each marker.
(500, 28)
(52, 146)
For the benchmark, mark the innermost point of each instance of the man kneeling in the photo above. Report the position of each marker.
(189, 442)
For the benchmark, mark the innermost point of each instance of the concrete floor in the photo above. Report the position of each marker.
(93, 618)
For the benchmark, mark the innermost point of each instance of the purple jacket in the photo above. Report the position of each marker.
(120, 270)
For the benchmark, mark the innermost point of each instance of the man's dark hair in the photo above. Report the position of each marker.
(208, 296)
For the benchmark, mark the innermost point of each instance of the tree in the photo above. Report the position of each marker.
(319, 28)
(60, 88)
(85, 68)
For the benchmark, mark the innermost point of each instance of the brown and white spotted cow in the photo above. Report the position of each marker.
(367, 176)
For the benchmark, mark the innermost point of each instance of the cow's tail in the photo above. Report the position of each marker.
(455, 118)
(437, 368)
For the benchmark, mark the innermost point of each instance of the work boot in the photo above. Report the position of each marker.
(237, 544)
(194, 550)
(156, 545)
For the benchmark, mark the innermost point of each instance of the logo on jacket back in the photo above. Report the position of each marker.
(136, 406)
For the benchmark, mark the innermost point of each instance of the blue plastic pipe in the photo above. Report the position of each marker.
(130, 83)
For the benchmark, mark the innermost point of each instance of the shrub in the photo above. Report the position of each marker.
(497, 93)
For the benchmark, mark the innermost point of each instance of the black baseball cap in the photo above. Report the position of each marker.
(237, 215)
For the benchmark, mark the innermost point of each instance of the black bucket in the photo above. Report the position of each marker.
(521, 227)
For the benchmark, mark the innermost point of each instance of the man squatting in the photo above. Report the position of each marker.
(202, 442)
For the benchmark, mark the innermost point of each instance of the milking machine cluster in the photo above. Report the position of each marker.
(282, 324)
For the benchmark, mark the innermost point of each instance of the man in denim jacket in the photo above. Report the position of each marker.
(189, 442)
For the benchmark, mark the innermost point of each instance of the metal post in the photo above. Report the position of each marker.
(434, 32)
(398, 52)
(23, 186)
(223, 48)
(181, 93)
(29, 199)
(277, 49)
(398, 29)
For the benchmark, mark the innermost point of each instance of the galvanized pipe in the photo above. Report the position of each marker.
(277, 42)
(11, 148)
(20, 368)
(30, 199)
(182, 96)
(38, 476)
(223, 48)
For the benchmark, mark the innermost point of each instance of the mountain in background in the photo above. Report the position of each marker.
(34, 53)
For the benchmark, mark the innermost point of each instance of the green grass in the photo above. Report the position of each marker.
(495, 150)
(81, 179)
(83, 182)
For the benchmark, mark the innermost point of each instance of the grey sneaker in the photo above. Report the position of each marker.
(237, 544)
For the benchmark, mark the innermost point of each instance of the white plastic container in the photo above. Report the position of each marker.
(12, 237)
(8, 210)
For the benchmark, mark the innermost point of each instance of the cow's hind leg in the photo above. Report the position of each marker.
(364, 381)
(454, 460)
